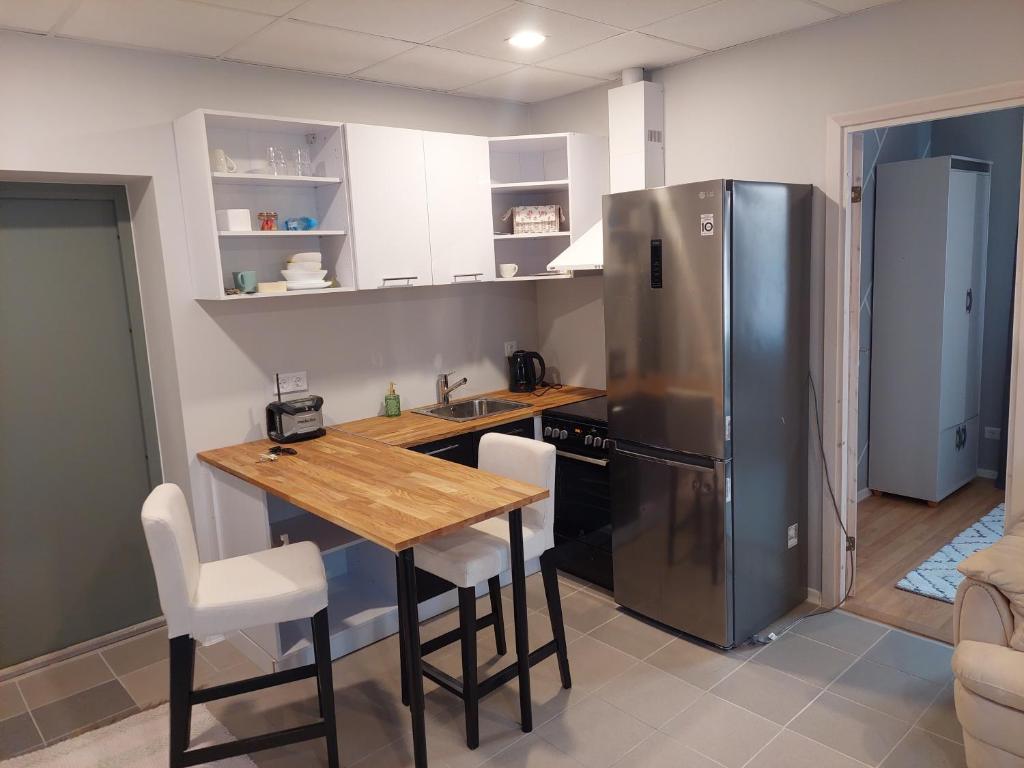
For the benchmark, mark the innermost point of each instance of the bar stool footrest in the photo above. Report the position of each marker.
(250, 744)
(495, 681)
(203, 695)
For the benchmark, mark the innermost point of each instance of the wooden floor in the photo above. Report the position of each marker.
(894, 535)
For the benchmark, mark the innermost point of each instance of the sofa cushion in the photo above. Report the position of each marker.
(994, 673)
(1002, 566)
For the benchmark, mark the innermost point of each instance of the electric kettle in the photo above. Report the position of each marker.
(522, 375)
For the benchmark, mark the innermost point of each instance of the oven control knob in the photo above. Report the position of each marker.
(563, 434)
(547, 431)
(599, 443)
(589, 440)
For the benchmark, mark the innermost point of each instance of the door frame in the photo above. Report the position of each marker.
(118, 197)
(841, 358)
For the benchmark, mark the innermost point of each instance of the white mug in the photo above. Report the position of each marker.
(221, 163)
(508, 270)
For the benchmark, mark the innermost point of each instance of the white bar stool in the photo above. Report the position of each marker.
(204, 599)
(481, 553)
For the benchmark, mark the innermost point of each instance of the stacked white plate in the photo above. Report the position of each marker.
(303, 272)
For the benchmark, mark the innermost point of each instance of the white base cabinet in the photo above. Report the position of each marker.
(928, 307)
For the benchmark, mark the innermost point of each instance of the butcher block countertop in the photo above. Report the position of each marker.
(391, 496)
(411, 429)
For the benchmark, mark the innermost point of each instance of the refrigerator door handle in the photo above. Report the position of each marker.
(666, 462)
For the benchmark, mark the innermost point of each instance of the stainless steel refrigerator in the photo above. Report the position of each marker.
(706, 329)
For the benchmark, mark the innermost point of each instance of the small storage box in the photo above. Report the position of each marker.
(535, 219)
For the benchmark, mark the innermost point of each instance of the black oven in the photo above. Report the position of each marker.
(583, 533)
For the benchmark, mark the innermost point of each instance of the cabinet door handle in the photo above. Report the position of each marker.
(970, 300)
(445, 449)
(473, 277)
(408, 280)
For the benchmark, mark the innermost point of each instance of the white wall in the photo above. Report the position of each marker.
(758, 111)
(87, 112)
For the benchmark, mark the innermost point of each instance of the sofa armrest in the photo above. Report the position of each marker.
(982, 614)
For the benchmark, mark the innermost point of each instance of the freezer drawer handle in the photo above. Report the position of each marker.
(445, 449)
(970, 300)
(658, 460)
(578, 457)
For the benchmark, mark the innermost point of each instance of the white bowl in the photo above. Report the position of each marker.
(303, 266)
(303, 275)
(314, 256)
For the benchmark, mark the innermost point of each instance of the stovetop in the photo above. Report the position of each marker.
(593, 411)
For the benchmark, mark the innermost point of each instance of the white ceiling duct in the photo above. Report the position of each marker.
(636, 158)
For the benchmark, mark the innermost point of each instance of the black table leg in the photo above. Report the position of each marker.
(403, 661)
(409, 635)
(515, 526)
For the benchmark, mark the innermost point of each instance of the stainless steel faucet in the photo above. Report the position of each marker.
(444, 391)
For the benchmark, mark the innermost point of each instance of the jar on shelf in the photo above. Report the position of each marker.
(267, 221)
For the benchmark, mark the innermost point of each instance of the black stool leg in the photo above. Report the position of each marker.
(403, 660)
(515, 526)
(325, 683)
(182, 663)
(409, 630)
(554, 600)
(470, 696)
(494, 587)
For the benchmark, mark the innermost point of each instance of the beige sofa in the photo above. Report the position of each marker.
(989, 659)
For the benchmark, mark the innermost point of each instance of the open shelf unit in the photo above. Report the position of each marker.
(215, 254)
(564, 169)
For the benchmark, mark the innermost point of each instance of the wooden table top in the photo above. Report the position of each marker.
(391, 496)
(411, 429)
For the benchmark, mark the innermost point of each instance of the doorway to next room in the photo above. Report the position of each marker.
(938, 241)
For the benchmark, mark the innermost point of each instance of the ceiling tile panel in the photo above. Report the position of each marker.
(607, 58)
(435, 68)
(851, 6)
(269, 7)
(173, 25)
(530, 84)
(32, 15)
(297, 45)
(490, 36)
(730, 22)
(414, 20)
(627, 14)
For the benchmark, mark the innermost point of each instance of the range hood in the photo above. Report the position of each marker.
(636, 159)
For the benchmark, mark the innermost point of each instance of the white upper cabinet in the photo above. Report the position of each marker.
(388, 198)
(459, 207)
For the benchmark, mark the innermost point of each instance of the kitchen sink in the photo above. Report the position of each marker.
(467, 410)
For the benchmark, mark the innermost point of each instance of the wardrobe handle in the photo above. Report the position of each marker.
(970, 300)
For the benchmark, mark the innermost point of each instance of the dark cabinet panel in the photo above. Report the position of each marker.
(460, 449)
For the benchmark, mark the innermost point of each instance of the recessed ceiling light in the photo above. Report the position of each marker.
(527, 38)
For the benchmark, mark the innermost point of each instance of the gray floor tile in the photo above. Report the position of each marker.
(920, 749)
(888, 690)
(221, 655)
(533, 752)
(148, 686)
(766, 691)
(592, 664)
(791, 750)
(650, 694)
(909, 653)
(91, 707)
(11, 703)
(695, 662)
(659, 751)
(18, 734)
(595, 733)
(857, 731)
(941, 717)
(138, 652)
(583, 611)
(633, 635)
(841, 630)
(64, 679)
(806, 659)
(722, 731)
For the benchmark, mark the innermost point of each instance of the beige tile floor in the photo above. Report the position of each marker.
(836, 691)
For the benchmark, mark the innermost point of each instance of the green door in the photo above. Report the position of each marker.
(75, 423)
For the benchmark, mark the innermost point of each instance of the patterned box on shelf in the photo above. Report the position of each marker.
(535, 219)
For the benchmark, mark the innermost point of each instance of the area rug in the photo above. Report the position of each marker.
(139, 741)
(937, 577)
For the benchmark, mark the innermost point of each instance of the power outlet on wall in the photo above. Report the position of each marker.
(510, 347)
(290, 382)
(993, 433)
